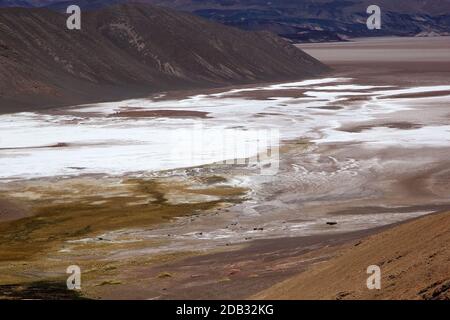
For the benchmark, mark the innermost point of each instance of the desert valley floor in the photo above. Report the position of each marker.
(136, 193)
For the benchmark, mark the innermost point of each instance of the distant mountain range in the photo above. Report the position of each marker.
(130, 50)
(301, 20)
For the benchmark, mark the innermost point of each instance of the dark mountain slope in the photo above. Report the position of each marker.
(130, 50)
(309, 20)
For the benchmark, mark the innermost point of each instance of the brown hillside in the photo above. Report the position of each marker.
(414, 259)
(130, 50)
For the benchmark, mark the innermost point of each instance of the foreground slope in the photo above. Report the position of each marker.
(414, 259)
(128, 50)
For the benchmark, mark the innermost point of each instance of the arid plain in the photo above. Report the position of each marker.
(363, 149)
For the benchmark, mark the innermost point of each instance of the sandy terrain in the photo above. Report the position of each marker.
(414, 261)
(361, 150)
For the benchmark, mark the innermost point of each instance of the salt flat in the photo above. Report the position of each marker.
(91, 139)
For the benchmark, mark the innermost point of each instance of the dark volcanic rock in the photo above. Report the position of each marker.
(130, 50)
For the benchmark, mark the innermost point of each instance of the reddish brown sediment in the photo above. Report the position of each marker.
(161, 114)
(418, 95)
(10, 210)
(392, 125)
